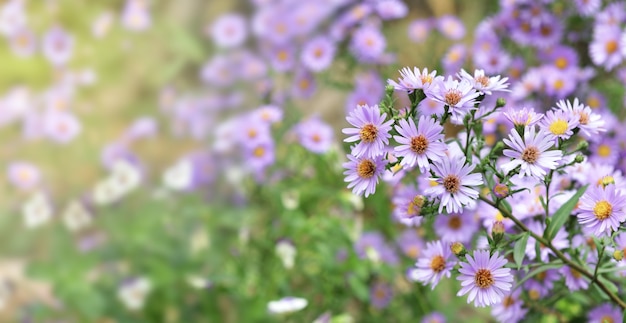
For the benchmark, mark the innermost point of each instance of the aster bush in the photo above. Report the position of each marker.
(169, 164)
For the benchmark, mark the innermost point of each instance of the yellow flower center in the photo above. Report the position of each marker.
(530, 154)
(259, 152)
(611, 46)
(558, 84)
(604, 150)
(452, 183)
(368, 133)
(454, 222)
(419, 144)
(438, 264)
(366, 169)
(561, 63)
(483, 278)
(452, 97)
(602, 210)
(558, 127)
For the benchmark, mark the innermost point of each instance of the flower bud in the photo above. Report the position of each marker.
(389, 90)
(618, 255)
(607, 180)
(458, 249)
(501, 190)
(579, 158)
(500, 102)
(497, 231)
(415, 206)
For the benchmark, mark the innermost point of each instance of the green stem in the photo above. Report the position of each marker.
(557, 253)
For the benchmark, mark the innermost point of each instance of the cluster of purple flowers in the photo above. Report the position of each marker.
(532, 162)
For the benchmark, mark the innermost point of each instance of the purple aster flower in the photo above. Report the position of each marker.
(604, 151)
(434, 317)
(605, 313)
(484, 278)
(590, 124)
(454, 58)
(459, 96)
(315, 135)
(410, 244)
(368, 44)
(304, 84)
(61, 127)
(433, 264)
(560, 242)
(381, 294)
(260, 155)
(318, 54)
(23, 175)
(493, 62)
(363, 174)
(229, 30)
(23, 42)
(485, 84)
(456, 227)
(269, 114)
(218, 71)
(574, 280)
(135, 16)
(602, 209)
(419, 30)
(414, 80)
(372, 246)
(614, 14)
(559, 124)
(510, 310)
(524, 117)
(58, 46)
(588, 7)
(371, 131)
(451, 27)
(559, 83)
(418, 145)
(429, 107)
(456, 189)
(12, 17)
(253, 131)
(531, 153)
(361, 96)
(282, 58)
(608, 47)
(407, 205)
(562, 57)
(391, 9)
(541, 284)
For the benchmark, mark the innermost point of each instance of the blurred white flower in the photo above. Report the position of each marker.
(76, 216)
(287, 305)
(133, 293)
(179, 177)
(291, 199)
(286, 251)
(37, 210)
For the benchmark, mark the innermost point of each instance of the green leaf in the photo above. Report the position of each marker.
(562, 214)
(360, 290)
(520, 249)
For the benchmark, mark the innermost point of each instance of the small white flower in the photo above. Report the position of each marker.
(287, 305)
(76, 216)
(37, 210)
(180, 176)
(287, 252)
(133, 294)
